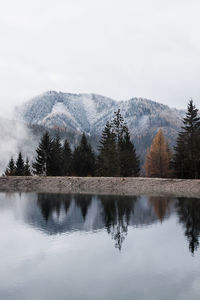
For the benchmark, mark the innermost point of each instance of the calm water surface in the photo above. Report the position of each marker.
(99, 247)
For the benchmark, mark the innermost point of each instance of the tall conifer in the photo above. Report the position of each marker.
(67, 159)
(41, 166)
(11, 168)
(56, 163)
(19, 165)
(83, 159)
(118, 126)
(107, 161)
(129, 161)
(27, 168)
(186, 160)
(117, 155)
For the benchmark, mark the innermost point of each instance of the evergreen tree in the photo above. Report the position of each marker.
(27, 168)
(55, 166)
(129, 162)
(83, 159)
(107, 162)
(67, 159)
(186, 161)
(119, 129)
(42, 166)
(117, 155)
(19, 165)
(11, 168)
(118, 126)
(158, 158)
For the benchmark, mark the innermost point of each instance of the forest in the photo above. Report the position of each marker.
(117, 154)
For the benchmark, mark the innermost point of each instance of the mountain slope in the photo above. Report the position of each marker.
(89, 113)
(75, 111)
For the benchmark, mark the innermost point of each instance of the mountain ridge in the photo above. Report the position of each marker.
(42, 109)
(89, 113)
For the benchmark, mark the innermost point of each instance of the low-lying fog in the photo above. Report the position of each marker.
(15, 136)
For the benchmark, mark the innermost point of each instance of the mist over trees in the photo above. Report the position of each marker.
(18, 168)
(116, 154)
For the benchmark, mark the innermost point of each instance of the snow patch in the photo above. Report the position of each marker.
(60, 108)
(143, 122)
(90, 108)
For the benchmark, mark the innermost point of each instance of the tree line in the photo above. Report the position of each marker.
(116, 155)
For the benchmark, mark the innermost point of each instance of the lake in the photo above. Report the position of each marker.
(55, 246)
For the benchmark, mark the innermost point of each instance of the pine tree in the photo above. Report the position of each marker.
(19, 165)
(158, 158)
(41, 166)
(55, 165)
(107, 162)
(83, 159)
(129, 162)
(67, 159)
(11, 168)
(117, 155)
(118, 126)
(186, 161)
(27, 168)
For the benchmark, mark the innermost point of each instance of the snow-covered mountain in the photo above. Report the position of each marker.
(80, 112)
(89, 113)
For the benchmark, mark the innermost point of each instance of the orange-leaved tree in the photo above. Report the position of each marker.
(157, 163)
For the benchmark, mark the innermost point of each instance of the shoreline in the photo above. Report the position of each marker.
(102, 185)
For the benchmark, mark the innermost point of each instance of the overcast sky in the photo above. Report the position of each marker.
(117, 48)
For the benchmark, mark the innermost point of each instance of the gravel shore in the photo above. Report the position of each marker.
(102, 185)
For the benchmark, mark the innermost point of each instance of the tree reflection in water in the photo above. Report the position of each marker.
(84, 202)
(115, 211)
(161, 206)
(116, 214)
(49, 203)
(188, 210)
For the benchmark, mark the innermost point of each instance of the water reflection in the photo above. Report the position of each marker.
(111, 212)
(67, 213)
(162, 206)
(189, 216)
(62, 213)
(63, 247)
(116, 214)
(83, 202)
(50, 203)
